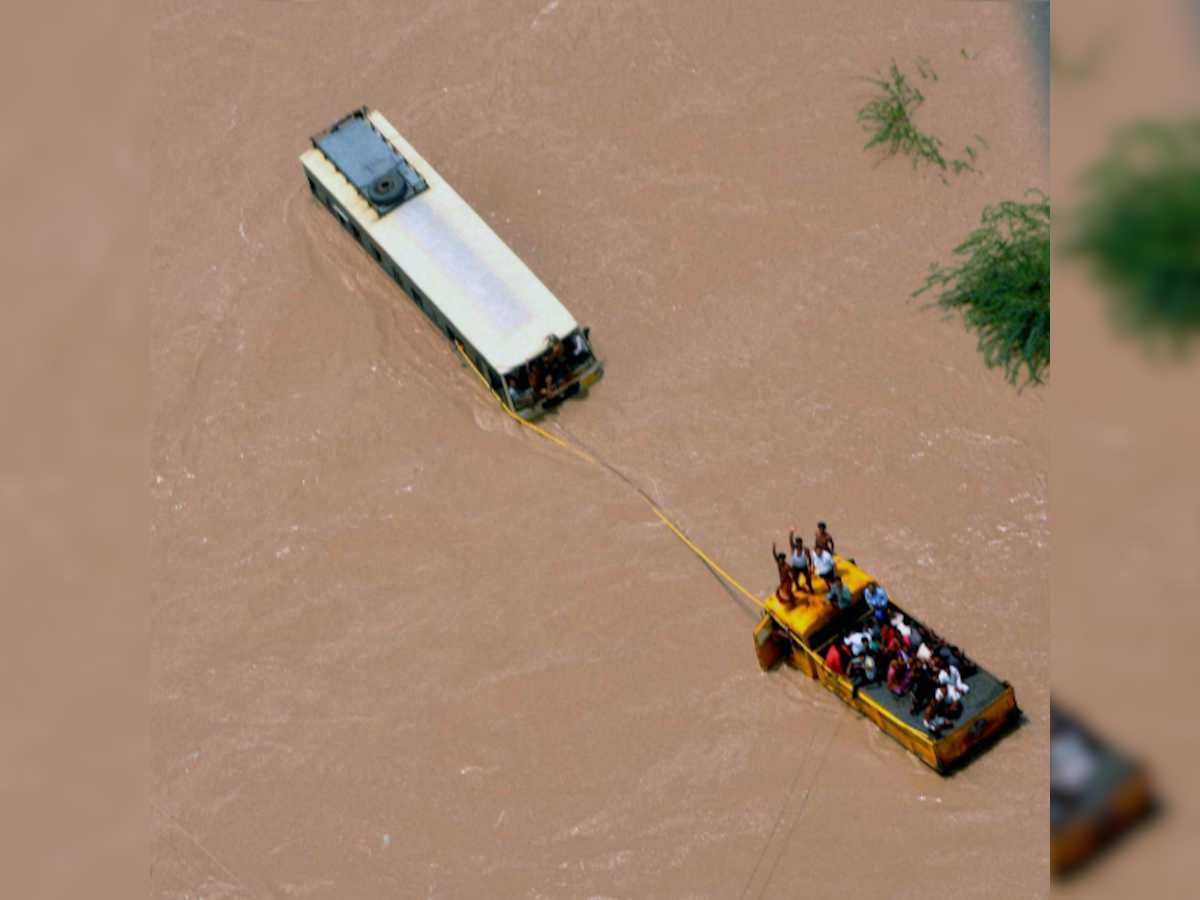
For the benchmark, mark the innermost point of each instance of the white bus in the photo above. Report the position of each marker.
(450, 263)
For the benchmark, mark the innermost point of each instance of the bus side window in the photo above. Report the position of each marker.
(496, 380)
(375, 253)
(312, 186)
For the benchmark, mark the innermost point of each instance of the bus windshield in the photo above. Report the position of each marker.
(556, 368)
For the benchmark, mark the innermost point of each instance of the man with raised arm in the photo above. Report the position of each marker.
(801, 560)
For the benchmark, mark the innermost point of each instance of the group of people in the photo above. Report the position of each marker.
(913, 661)
(801, 563)
(541, 377)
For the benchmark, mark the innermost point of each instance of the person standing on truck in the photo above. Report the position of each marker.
(785, 577)
(801, 560)
(825, 566)
(823, 540)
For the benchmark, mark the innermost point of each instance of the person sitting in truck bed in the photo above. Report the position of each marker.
(839, 594)
(899, 676)
(922, 687)
(877, 599)
(929, 644)
(858, 642)
(836, 658)
(935, 718)
(950, 700)
(948, 675)
(903, 629)
(862, 670)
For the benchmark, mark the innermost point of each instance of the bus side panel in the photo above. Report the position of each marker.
(397, 274)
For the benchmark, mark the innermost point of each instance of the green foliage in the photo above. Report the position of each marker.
(889, 119)
(1001, 286)
(1139, 224)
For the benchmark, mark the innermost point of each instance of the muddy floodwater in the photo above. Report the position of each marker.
(404, 648)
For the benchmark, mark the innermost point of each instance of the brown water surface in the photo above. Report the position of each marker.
(402, 648)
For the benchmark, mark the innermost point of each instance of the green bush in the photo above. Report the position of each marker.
(1139, 225)
(1001, 286)
(888, 117)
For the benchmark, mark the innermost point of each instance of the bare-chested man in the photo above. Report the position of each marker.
(823, 540)
(785, 577)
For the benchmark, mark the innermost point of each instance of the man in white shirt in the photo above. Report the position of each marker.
(948, 674)
(800, 559)
(825, 566)
(858, 642)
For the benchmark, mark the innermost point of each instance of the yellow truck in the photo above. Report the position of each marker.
(1096, 793)
(800, 635)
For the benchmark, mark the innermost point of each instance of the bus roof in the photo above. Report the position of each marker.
(490, 297)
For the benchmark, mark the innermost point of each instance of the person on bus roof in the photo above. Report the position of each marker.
(823, 540)
(801, 560)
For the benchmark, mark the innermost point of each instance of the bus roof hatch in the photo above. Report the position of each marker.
(370, 163)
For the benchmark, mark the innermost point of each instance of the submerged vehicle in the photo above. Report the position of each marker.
(450, 263)
(800, 635)
(1096, 793)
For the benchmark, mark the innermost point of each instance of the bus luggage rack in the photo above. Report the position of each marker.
(381, 175)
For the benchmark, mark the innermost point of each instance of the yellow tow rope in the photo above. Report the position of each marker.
(658, 512)
(587, 456)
